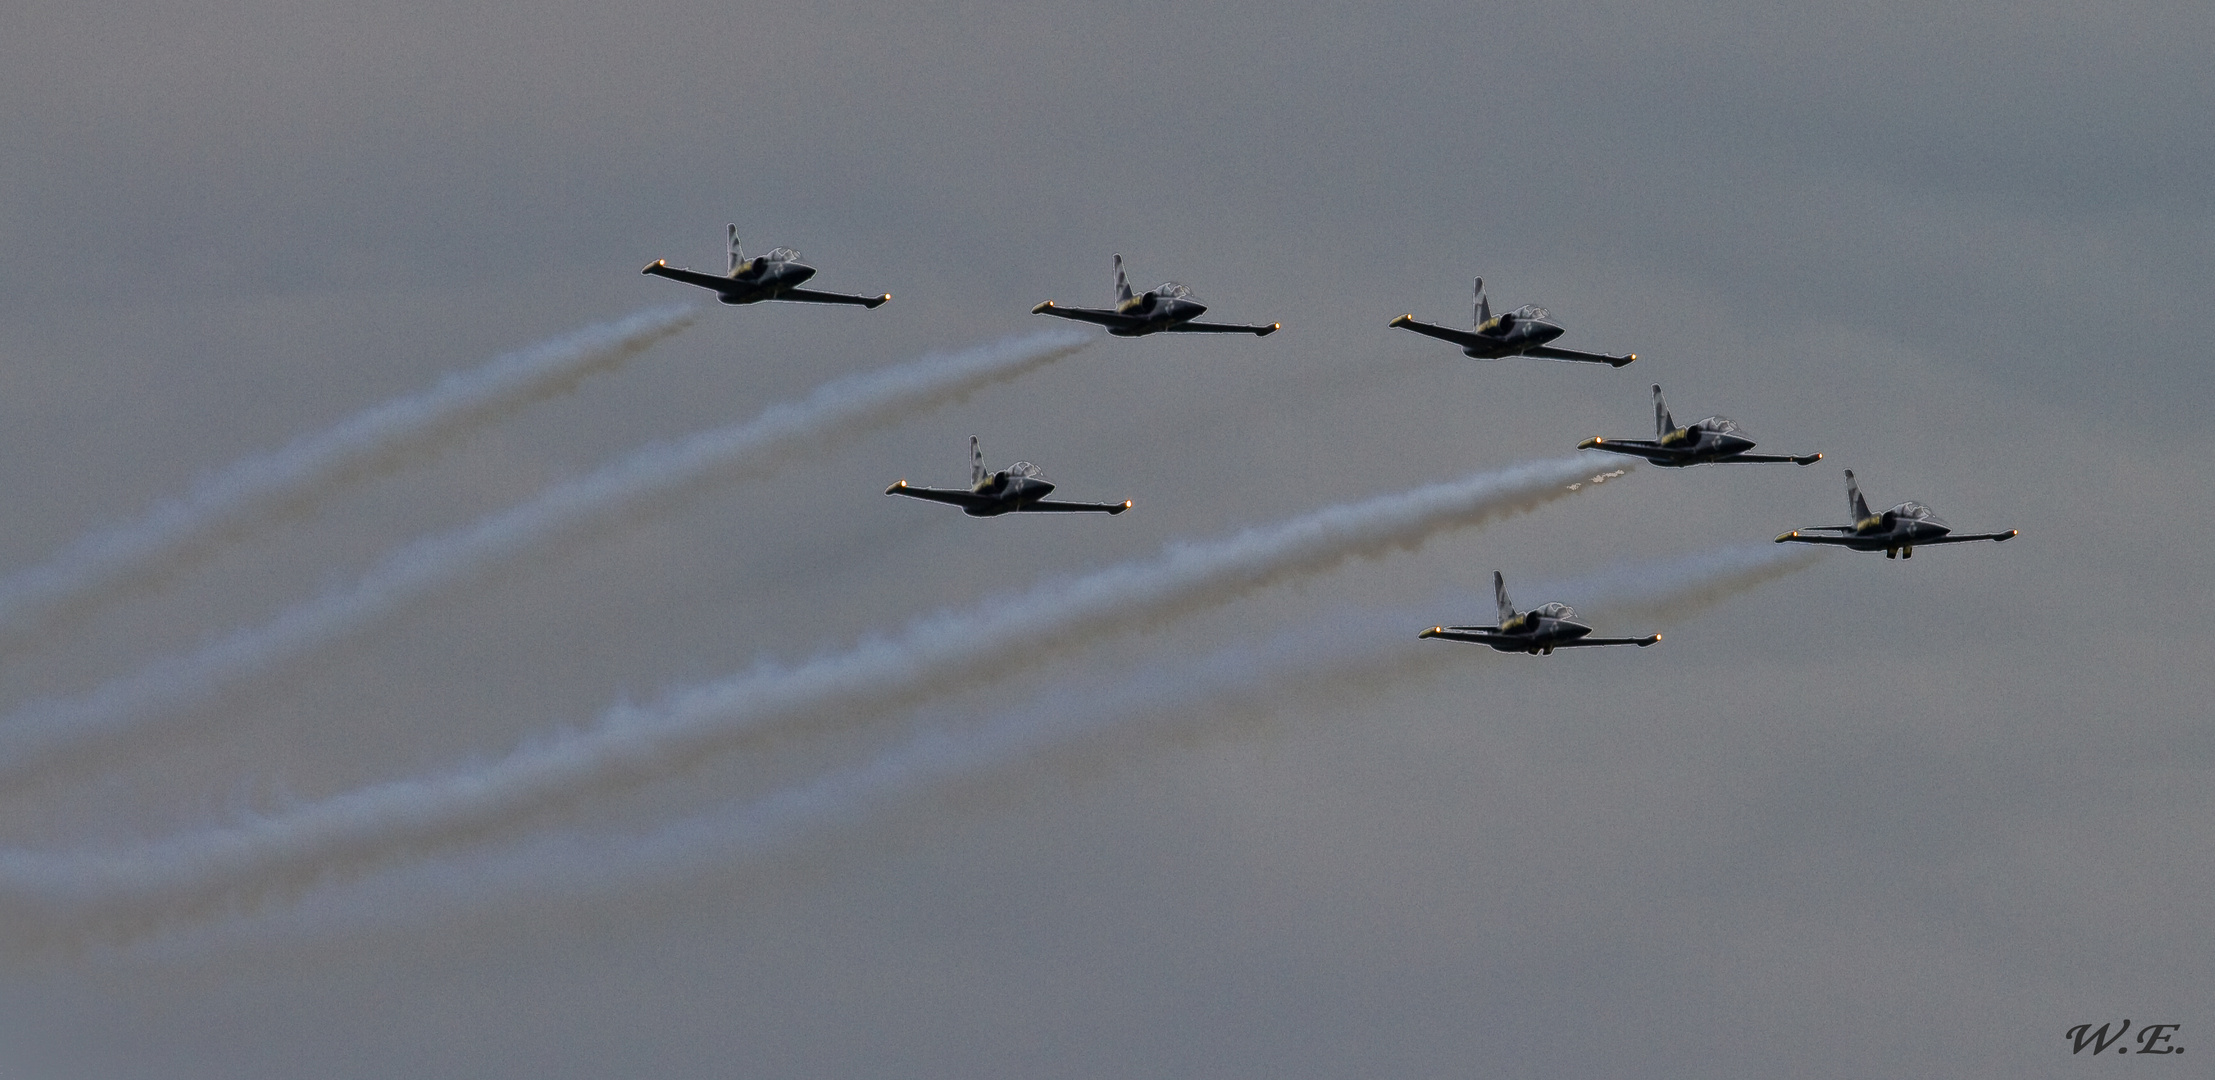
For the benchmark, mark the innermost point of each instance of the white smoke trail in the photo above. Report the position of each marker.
(630, 746)
(1677, 588)
(36, 734)
(1346, 651)
(177, 531)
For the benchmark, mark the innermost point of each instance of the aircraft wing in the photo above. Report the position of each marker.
(1800, 536)
(810, 296)
(1113, 320)
(1641, 642)
(1043, 506)
(1545, 353)
(1223, 328)
(1997, 538)
(963, 499)
(659, 268)
(1463, 338)
(1758, 458)
(1634, 447)
(1482, 635)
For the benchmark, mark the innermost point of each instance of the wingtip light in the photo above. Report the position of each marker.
(895, 487)
(1793, 535)
(1432, 632)
(1403, 320)
(1043, 307)
(1590, 443)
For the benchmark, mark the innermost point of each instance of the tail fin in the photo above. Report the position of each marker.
(1122, 284)
(1484, 306)
(1663, 422)
(1499, 596)
(1853, 495)
(976, 462)
(738, 256)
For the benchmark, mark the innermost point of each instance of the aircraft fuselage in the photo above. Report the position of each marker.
(1506, 336)
(1157, 312)
(1008, 494)
(758, 280)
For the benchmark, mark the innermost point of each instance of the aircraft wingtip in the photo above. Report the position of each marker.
(1654, 640)
(1626, 360)
(2011, 534)
(1794, 535)
(881, 300)
(1270, 329)
(895, 488)
(1432, 632)
(1126, 505)
(1590, 443)
(1043, 307)
(652, 265)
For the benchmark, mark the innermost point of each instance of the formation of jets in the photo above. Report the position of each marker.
(1527, 331)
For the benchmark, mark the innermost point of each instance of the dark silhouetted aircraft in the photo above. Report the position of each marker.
(1168, 309)
(1521, 332)
(1539, 630)
(1896, 532)
(1016, 489)
(1712, 440)
(775, 276)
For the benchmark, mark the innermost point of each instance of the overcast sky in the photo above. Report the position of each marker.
(1869, 818)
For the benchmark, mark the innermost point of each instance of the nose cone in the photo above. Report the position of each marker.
(1182, 309)
(1031, 487)
(1538, 331)
(1733, 444)
(794, 273)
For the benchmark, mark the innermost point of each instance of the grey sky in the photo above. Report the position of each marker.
(1875, 818)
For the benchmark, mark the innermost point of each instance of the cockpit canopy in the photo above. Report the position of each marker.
(782, 255)
(1024, 470)
(1529, 313)
(1170, 290)
(1916, 511)
(1554, 611)
(1721, 425)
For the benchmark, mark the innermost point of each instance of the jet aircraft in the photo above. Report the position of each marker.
(1896, 532)
(1019, 488)
(1521, 332)
(1715, 439)
(1540, 630)
(775, 276)
(1168, 309)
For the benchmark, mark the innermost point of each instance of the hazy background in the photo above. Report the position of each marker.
(1877, 818)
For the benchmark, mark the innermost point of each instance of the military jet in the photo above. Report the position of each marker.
(1895, 532)
(1540, 630)
(1168, 309)
(1714, 439)
(775, 276)
(1019, 488)
(1521, 332)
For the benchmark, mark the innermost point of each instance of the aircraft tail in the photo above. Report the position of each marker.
(738, 255)
(1499, 597)
(1484, 306)
(1663, 422)
(976, 463)
(1853, 496)
(1122, 284)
